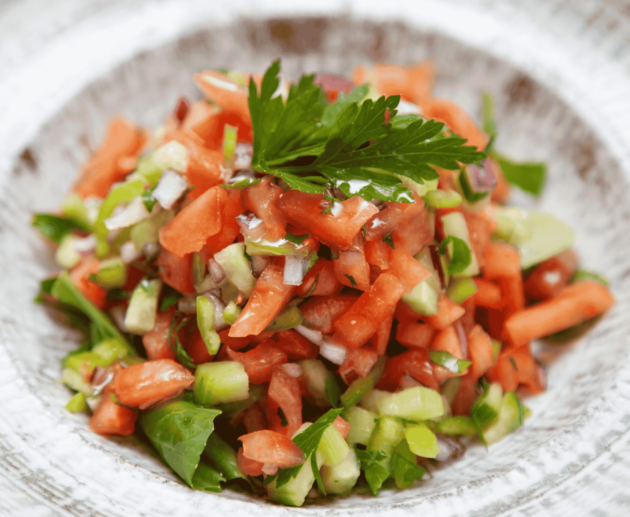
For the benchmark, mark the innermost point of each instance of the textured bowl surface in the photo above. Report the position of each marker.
(560, 74)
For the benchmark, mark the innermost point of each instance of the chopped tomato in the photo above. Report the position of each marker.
(103, 169)
(501, 261)
(254, 419)
(550, 277)
(229, 227)
(392, 217)
(480, 232)
(263, 199)
(260, 362)
(284, 406)
(480, 351)
(416, 234)
(342, 426)
(235, 343)
(142, 385)
(377, 254)
(271, 448)
(320, 313)
(247, 466)
(111, 418)
(333, 85)
(448, 313)
(465, 397)
(408, 270)
(413, 334)
(488, 294)
(80, 276)
(322, 275)
(517, 367)
(176, 271)
(194, 344)
(415, 363)
(380, 340)
(456, 119)
(225, 91)
(155, 341)
(362, 320)
(358, 363)
(447, 341)
(269, 298)
(296, 346)
(336, 226)
(191, 228)
(405, 313)
(351, 268)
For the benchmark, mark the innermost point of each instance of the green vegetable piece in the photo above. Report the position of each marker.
(341, 478)
(530, 177)
(205, 322)
(332, 447)
(414, 404)
(362, 423)
(511, 415)
(123, 193)
(371, 399)
(549, 237)
(74, 381)
(486, 408)
(377, 466)
(424, 298)
(78, 403)
(172, 155)
(207, 479)
(110, 350)
(66, 292)
(457, 426)
(295, 490)
(53, 226)
(220, 382)
(333, 389)
(179, 431)
(448, 361)
(463, 260)
(496, 350)
(170, 298)
(85, 360)
(229, 144)
(512, 225)
(231, 313)
(256, 392)
(473, 201)
(442, 198)
(460, 289)
(280, 247)
(295, 239)
(450, 388)
(422, 442)
(289, 319)
(66, 256)
(237, 268)
(141, 313)
(222, 456)
(405, 470)
(583, 274)
(147, 231)
(111, 272)
(360, 387)
(316, 379)
(74, 209)
(387, 435)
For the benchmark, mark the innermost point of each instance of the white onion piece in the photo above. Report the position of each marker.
(259, 263)
(294, 270)
(252, 227)
(118, 313)
(129, 252)
(333, 351)
(293, 369)
(84, 244)
(243, 156)
(133, 213)
(314, 336)
(187, 305)
(169, 189)
(150, 249)
(219, 308)
(447, 449)
(93, 402)
(216, 271)
(407, 108)
(270, 470)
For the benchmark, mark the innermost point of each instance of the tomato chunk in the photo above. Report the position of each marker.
(481, 352)
(448, 313)
(380, 340)
(155, 341)
(229, 227)
(260, 362)
(361, 321)
(358, 363)
(320, 313)
(111, 418)
(409, 271)
(517, 367)
(414, 334)
(142, 385)
(271, 448)
(377, 254)
(322, 275)
(269, 298)
(80, 276)
(296, 346)
(337, 228)
(551, 276)
(447, 341)
(284, 394)
(262, 199)
(247, 466)
(254, 419)
(176, 271)
(342, 426)
(351, 268)
(415, 363)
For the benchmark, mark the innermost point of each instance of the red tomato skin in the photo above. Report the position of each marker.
(260, 362)
(111, 418)
(284, 393)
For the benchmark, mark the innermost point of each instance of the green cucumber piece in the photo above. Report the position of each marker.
(141, 313)
(414, 404)
(220, 382)
(237, 268)
(332, 447)
(387, 435)
(111, 272)
(422, 442)
(66, 256)
(362, 423)
(455, 225)
(442, 198)
(357, 390)
(549, 237)
(315, 375)
(460, 289)
(78, 403)
(231, 313)
(509, 420)
(371, 399)
(341, 478)
(425, 296)
(289, 319)
(457, 426)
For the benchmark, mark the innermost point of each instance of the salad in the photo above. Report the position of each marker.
(312, 288)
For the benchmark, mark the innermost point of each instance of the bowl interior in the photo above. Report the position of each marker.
(585, 188)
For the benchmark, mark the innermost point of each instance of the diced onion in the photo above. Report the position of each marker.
(169, 189)
(333, 351)
(133, 213)
(314, 336)
(407, 108)
(293, 369)
(219, 308)
(216, 271)
(118, 314)
(259, 263)
(187, 305)
(85, 244)
(129, 253)
(294, 270)
(252, 227)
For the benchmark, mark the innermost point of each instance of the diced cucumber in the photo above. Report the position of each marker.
(237, 268)
(371, 399)
(231, 313)
(512, 225)
(357, 390)
(510, 418)
(73, 380)
(362, 423)
(315, 375)
(66, 256)
(425, 296)
(229, 144)
(205, 323)
(289, 319)
(332, 447)
(422, 442)
(74, 208)
(86, 361)
(110, 350)
(280, 247)
(414, 404)
(147, 231)
(78, 403)
(220, 382)
(549, 237)
(454, 225)
(142, 310)
(460, 289)
(457, 426)
(172, 155)
(450, 388)
(256, 392)
(111, 272)
(471, 202)
(486, 408)
(387, 435)
(442, 198)
(341, 478)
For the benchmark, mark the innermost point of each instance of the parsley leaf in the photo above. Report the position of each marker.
(405, 471)
(376, 465)
(461, 256)
(176, 345)
(170, 298)
(148, 199)
(353, 282)
(333, 390)
(295, 239)
(54, 227)
(283, 419)
(448, 361)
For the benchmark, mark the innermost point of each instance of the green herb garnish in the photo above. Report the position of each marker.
(448, 361)
(461, 255)
(295, 239)
(55, 227)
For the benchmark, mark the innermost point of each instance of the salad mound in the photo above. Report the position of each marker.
(310, 288)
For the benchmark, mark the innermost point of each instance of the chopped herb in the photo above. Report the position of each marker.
(446, 360)
(283, 419)
(295, 239)
(148, 199)
(55, 227)
(375, 464)
(406, 470)
(312, 288)
(353, 282)
(175, 343)
(461, 255)
(582, 274)
(116, 294)
(333, 390)
(387, 238)
(113, 397)
(170, 298)
(513, 364)
(241, 184)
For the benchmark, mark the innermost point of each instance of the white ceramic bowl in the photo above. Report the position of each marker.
(560, 73)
